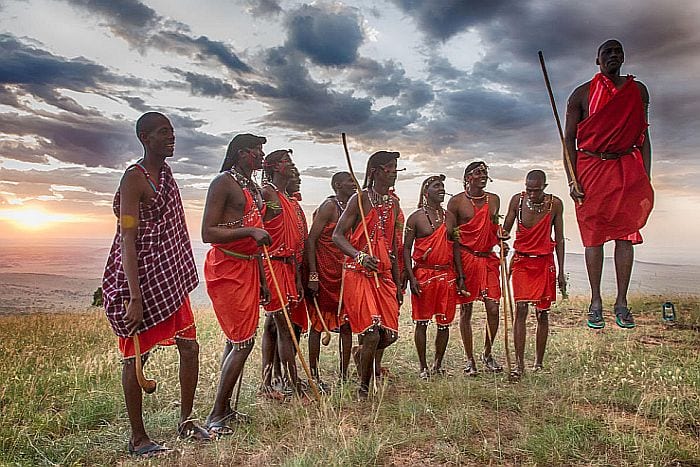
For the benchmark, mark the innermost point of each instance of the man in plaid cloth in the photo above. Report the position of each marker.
(149, 274)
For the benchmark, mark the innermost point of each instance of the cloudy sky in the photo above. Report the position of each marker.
(444, 82)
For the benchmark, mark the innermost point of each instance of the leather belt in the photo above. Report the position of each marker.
(284, 259)
(480, 254)
(608, 156)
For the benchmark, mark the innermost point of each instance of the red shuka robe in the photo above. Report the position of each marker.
(618, 194)
(365, 304)
(233, 280)
(286, 232)
(298, 310)
(481, 273)
(329, 265)
(433, 269)
(532, 269)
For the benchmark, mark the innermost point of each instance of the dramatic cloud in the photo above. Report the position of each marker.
(203, 85)
(326, 37)
(264, 7)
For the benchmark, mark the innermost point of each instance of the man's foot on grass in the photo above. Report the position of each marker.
(470, 369)
(190, 430)
(273, 393)
(437, 371)
(537, 367)
(624, 318)
(516, 374)
(362, 393)
(424, 374)
(148, 450)
(491, 364)
(595, 318)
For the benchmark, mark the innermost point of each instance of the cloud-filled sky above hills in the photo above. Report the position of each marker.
(442, 81)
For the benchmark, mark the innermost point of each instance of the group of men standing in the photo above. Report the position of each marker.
(348, 272)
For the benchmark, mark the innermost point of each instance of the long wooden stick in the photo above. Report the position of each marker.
(567, 156)
(317, 394)
(504, 296)
(359, 202)
(326, 333)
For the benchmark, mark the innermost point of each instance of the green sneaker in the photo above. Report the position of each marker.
(624, 318)
(595, 318)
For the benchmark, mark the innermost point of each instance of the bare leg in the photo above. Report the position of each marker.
(624, 257)
(368, 351)
(269, 349)
(227, 348)
(314, 350)
(594, 266)
(441, 339)
(189, 374)
(542, 333)
(286, 350)
(230, 372)
(345, 343)
(134, 398)
(519, 332)
(419, 339)
(465, 330)
(492, 316)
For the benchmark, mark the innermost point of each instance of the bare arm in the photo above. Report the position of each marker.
(451, 225)
(347, 221)
(512, 213)
(646, 145)
(408, 239)
(574, 115)
(132, 190)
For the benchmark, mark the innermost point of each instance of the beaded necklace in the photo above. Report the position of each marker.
(439, 213)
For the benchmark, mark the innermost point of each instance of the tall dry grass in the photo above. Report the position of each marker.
(613, 397)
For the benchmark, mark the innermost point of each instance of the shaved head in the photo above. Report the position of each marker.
(536, 176)
(149, 122)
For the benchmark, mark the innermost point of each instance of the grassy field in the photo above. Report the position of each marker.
(611, 397)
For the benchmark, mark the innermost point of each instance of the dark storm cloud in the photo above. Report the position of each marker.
(204, 85)
(199, 48)
(327, 37)
(264, 7)
(445, 18)
(142, 27)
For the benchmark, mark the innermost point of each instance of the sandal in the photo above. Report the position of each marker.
(470, 369)
(595, 318)
(424, 374)
(190, 430)
(149, 450)
(220, 428)
(515, 375)
(623, 317)
(491, 364)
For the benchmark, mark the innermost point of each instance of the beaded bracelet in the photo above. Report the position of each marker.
(360, 257)
(313, 277)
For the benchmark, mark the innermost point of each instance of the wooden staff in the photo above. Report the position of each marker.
(148, 385)
(504, 292)
(340, 306)
(567, 156)
(326, 333)
(359, 203)
(317, 394)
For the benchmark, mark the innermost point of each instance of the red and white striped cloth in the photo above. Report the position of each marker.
(166, 267)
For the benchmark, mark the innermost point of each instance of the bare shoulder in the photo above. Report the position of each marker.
(580, 92)
(493, 197)
(643, 91)
(455, 202)
(225, 183)
(412, 218)
(557, 205)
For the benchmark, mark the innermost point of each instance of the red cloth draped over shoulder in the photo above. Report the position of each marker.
(233, 280)
(433, 269)
(534, 278)
(286, 232)
(618, 194)
(481, 272)
(365, 304)
(329, 265)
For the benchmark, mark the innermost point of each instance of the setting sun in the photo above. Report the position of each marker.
(33, 219)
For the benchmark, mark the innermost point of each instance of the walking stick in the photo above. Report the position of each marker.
(148, 385)
(567, 156)
(326, 333)
(504, 293)
(317, 394)
(359, 203)
(340, 306)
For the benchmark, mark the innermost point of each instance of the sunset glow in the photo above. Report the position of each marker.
(34, 219)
